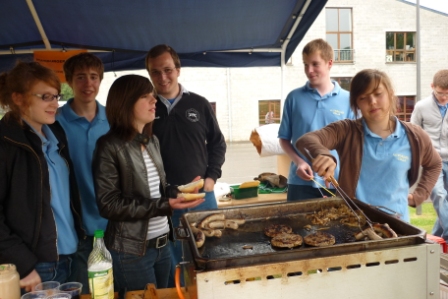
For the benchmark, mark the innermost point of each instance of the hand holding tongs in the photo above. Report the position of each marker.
(349, 202)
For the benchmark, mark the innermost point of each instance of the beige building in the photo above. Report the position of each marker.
(377, 34)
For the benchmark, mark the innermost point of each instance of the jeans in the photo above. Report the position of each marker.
(440, 201)
(57, 271)
(302, 192)
(133, 272)
(79, 268)
(176, 246)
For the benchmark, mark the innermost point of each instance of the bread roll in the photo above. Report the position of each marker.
(191, 196)
(190, 187)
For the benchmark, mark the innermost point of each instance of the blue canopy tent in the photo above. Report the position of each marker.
(205, 33)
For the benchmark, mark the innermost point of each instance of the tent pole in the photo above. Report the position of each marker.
(38, 24)
(298, 18)
(229, 104)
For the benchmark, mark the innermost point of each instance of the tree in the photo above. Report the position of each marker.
(66, 92)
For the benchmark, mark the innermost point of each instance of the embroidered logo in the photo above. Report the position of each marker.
(401, 157)
(192, 115)
(337, 112)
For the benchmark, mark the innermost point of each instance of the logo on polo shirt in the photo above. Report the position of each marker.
(192, 115)
(401, 157)
(337, 112)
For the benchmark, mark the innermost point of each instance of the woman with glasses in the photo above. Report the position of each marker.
(131, 188)
(40, 220)
(380, 156)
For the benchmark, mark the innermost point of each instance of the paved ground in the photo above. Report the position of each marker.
(243, 163)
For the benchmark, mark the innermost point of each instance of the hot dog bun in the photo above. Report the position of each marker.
(191, 196)
(190, 187)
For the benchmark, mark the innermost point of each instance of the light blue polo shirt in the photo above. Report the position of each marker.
(442, 108)
(305, 111)
(384, 171)
(60, 192)
(82, 136)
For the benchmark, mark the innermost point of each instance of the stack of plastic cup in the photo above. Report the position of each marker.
(35, 295)
(59, 296)
(51, 287)
(72, 288)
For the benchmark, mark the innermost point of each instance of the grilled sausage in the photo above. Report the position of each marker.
(199, 236)
(385, 230)
(215, 217)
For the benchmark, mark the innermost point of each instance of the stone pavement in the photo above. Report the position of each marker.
(243, 163)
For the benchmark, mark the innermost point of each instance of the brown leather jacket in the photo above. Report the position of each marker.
(347, 138)
(122, 191)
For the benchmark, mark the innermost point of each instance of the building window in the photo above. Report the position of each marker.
(400, 46)
(344, 82)
(405, 107)
(269, 111)
(340, 33)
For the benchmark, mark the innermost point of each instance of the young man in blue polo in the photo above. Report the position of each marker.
(84, 121)
(318, 103)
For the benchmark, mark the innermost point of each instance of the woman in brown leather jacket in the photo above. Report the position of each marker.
(131, 188)
(380, 156)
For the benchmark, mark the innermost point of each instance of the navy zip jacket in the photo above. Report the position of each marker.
(27, 227)
(191, 141)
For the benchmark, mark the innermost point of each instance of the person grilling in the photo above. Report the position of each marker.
(380, 156)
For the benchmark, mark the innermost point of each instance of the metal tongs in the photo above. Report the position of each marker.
(348, 201)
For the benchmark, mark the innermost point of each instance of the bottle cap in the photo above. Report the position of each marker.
(99, 233)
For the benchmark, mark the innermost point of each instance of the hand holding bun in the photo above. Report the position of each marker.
(190, 196)
(191, 187)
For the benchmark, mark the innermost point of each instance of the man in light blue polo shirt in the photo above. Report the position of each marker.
(311, 107)
(84, 121)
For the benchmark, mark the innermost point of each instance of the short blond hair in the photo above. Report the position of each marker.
(441, 79)
(319, 45)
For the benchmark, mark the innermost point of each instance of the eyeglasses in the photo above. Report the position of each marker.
(166, 72)
(439, 94)
(47, 97)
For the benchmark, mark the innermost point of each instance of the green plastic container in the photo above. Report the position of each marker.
(243, 193)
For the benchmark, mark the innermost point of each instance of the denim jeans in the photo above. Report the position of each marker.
(176, 246)
(302, 192)
(440, 201)
(79, 264)
(57, 271)
(133, 272)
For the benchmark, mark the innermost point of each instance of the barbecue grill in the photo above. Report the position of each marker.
(243, 264)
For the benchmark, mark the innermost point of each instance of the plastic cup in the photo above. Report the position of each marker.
(51, 287)
(35, 295)
(59, 296)
(72, 288)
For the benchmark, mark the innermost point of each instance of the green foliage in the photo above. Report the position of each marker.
(426, 220)
(66, 91)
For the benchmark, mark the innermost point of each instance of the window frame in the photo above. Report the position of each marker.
(397, 54)
(341, 55)
(264, 106)
(404, 111)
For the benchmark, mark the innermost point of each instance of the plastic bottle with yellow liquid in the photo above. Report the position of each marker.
(99, 268)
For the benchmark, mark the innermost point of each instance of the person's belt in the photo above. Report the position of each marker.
(158, 242)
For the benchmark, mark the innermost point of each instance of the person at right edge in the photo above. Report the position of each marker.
(318, 103)
(191, 141)
(430, 114)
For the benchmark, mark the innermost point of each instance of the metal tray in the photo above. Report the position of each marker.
(228, 251)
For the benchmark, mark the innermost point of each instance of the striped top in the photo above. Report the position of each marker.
(157, 225)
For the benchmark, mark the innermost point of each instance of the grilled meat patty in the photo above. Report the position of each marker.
(319, 239)
(275, 229)
(287, 240)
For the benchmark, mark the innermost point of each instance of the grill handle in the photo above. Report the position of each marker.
(181, 233)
